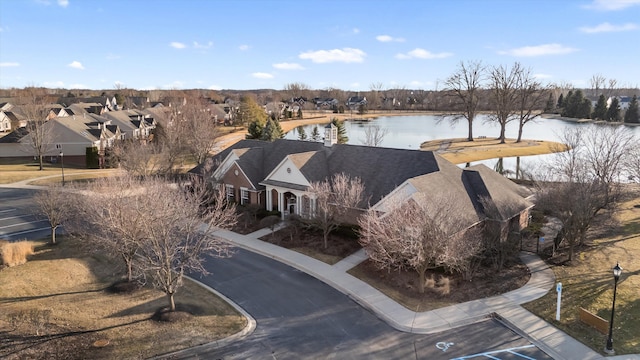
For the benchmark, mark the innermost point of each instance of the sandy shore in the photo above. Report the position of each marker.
(458, 151)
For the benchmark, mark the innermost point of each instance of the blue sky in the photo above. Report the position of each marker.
(245, 44)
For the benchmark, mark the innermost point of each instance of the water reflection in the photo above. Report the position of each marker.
(408, 132)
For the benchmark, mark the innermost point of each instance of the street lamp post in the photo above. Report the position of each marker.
(59, 147)
(617, 270)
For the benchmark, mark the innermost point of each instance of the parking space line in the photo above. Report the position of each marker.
(25, 232)
(24, 223)
(489, 354)
(7, 210)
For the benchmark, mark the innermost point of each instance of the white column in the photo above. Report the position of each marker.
(267, 197)
(280, 205)
(298, 204)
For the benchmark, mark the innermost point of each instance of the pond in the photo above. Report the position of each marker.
(408, 132)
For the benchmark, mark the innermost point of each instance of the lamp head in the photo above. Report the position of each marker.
(617, 270)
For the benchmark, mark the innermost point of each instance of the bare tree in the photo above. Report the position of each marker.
(531, 97)
(53, 205)
(586, 180)
(333, 199)
(632, 163)
(35, 108)
(597, 82)
(136, 157)
(464, 86)
(112, 213)
(200, 129)
(180, 233)
(374, 98)
(374, 135)
(419, 236)
(504, 89)
(612, 86)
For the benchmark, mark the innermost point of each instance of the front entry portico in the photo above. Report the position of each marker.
(286, 201)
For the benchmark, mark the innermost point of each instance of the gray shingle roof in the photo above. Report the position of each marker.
(382, 170)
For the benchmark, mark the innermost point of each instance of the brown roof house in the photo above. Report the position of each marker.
(277, 175)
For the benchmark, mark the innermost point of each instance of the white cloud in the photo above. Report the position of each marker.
(355, 85)
(202, 46)
(243, 47)
(387, 38)
(177, 45)
(9, 64)
(356, 30)
(606, 27)
(539, 50)
(288, 66)
(419, 53)
(63, 3)
(215, 87)
(111, 56)
(611, 5)
(416, 83)
(261, 75)
(1, 29)
(76, 65)
(78, 86)
(346, 55)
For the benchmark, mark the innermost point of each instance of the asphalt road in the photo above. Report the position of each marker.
(300, 317)
(17, 219)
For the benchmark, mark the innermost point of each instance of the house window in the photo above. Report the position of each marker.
(244, 196)
(230, 193)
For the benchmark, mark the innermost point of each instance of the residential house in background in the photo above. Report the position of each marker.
(356, 101)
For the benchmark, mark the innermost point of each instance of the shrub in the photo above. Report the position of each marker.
(13, 254)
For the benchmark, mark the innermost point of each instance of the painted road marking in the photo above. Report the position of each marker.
(444, 346)
(489, 354)
(7, 210)
(24, 223)
(26, 232)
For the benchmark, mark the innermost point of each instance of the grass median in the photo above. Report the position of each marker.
(588, 283)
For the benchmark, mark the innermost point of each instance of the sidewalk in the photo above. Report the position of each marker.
(505, 307)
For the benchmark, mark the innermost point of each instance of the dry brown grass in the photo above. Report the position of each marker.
(13, 171)
(588, 283)
(460, 151)
(15, 253)
(57, 305)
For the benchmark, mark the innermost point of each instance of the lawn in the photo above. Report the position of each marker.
(57, 305)
(588, 283)
(460, 151)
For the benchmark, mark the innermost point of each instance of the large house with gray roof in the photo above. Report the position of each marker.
(277, 176)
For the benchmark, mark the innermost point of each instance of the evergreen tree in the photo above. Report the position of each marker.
(342, 131)
(255, 129)
(302, 135)
(568, 106)
(613, 114)
(584, 109)
(560, 102)
(600, 112)
(631, 116)
(550, 105)
(249, 111)
(271, 131)
(299, 113)
(315, 134)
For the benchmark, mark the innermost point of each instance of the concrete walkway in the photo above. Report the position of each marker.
(506, 307)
